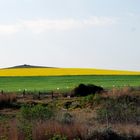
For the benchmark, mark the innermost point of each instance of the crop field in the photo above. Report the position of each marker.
(61, 72)
(65, 83)
(33, 114)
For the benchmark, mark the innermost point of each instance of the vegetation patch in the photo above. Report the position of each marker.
(124, 109)
(37, 112)
(7, 100)
(114, 114)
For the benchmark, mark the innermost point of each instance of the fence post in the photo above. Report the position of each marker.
(52, 95)
(107, 120)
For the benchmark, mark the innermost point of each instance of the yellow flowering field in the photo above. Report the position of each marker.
(61, 71)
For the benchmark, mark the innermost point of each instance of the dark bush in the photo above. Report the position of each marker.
(84, 90)
(105, 135)
(67, 104)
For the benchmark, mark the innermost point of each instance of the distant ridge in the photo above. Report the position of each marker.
(32, 70)
(27, 66)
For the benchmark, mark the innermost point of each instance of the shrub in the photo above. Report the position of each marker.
(37, 112)
(106, 134)
(119, 110)
(87, 100)
(84, 90)
(67, 118)
(91, 100)
(67, 104)
(7, 100)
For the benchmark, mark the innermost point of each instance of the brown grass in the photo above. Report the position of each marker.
(9, 130)
(127, 129)
(115, 92)
(7, 98)
(44, 130)
(47, 130)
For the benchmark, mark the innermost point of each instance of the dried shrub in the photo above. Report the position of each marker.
(6, 100)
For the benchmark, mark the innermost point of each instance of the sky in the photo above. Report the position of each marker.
(102, 34)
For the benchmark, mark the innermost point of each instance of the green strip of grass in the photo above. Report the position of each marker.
(64, 83)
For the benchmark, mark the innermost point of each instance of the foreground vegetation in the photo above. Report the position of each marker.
(112, 114)
(64, 83)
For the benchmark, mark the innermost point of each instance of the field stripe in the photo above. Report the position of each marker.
(61, 72)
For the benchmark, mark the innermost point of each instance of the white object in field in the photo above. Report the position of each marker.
(68, 97)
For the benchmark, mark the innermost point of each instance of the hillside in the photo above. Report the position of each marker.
(27, 66)
(28, 70)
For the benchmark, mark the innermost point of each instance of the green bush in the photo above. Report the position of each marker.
(97, 99)
(87, 100)
(91, 100)
(30, 114)
(37, 112)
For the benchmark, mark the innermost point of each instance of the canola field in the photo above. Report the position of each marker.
(63, 79)
(61, 72)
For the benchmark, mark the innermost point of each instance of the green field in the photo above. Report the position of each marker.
(64, 83)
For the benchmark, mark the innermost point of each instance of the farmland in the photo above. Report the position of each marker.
(34, 78)
(38, 113)
(64, 83)
(29, 71)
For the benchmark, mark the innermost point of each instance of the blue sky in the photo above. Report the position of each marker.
(70, 33)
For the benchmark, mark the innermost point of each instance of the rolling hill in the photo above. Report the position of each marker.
(27, 66)
(29, 70)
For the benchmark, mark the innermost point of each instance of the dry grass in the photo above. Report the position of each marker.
(7, 99)
(42, 131)
(9, 130)
(115, 92)
(127, 129)
(47, 130)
